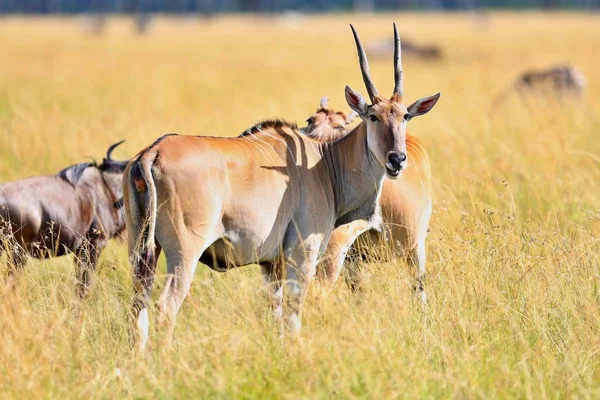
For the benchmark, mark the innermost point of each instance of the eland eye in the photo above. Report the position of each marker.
(373, 118)
(310, 121)
(407, 117)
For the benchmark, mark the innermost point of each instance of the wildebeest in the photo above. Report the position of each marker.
(405, 207)
(560, 82)
(384, 48)
(272, 196)
(75, 211)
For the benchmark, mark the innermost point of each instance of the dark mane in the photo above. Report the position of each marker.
(73, 173)
(268, 124)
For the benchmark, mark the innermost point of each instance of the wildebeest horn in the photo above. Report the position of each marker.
(108, 162)
(364, 66)
(111, 148)
(398, 73)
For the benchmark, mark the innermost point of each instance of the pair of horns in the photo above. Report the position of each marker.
(364, 66)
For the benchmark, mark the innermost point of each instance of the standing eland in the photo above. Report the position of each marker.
(272, 196)
(75, 211)
(405, 206)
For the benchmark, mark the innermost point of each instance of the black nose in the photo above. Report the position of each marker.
(396, 160)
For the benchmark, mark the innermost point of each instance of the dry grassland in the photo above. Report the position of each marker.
(514, 266)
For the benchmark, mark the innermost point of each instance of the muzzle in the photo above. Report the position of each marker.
(395, 163)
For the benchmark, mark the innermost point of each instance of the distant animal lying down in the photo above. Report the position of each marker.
(75, 211)
(562, 82)
(385, 48)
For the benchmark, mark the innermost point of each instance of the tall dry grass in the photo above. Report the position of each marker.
(513, 272)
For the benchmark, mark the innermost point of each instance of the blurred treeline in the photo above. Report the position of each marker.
(220, 6)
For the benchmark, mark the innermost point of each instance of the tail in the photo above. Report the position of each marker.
(146, 169)
(141, 212)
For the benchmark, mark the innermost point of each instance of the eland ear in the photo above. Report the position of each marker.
(324, 102)
(351, 117)
(423, 105)
(356, 102)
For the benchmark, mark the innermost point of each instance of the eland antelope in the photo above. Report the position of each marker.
(271, 196)
(75, 211)
(405, 205)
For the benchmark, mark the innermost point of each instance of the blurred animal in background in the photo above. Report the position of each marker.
(405, 208)
(143, 22)
(385, 48)
(75, 211)
(563, 82)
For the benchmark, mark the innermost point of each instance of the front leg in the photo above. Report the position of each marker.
(300, 267)
(87, 255)
(273, 286)
(340, 242)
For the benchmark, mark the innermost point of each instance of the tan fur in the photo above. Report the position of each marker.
(242, 201)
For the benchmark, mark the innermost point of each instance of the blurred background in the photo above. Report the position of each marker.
(208, 7)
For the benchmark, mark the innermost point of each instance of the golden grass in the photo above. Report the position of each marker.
(513, 276)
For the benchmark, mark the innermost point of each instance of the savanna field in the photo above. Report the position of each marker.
(513, 253)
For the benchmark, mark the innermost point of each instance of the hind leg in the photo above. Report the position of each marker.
(143, 281)
(182, 259)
